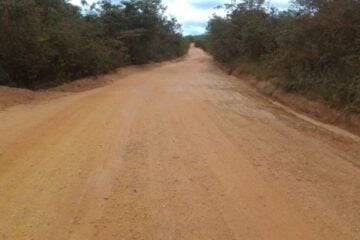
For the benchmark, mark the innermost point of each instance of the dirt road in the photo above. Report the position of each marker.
(174, 151)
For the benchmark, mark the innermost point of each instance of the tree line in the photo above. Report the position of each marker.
(312, 48)
(47, 42)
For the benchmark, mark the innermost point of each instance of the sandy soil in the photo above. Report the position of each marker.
(314, 108)
(175, 151)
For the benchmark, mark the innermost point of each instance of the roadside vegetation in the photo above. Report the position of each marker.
(313, 48)
(47, 42)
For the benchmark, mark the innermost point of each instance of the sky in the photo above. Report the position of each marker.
(194, 14)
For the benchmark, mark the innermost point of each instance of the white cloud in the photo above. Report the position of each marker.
(195, 30)
(191, 13)
(76, 2)
(185, 11)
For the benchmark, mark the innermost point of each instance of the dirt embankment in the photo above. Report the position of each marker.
(16, 96)
(313, 108)
(10, 96)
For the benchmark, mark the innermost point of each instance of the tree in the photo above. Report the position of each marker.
(314, 47)
(46, 42)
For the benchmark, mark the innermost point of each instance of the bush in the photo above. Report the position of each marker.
(46, 42)
(314, 47)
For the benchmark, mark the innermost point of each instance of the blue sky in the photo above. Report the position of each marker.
(194, 14)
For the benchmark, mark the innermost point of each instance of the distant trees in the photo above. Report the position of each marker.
(314, 47)
(46, 42)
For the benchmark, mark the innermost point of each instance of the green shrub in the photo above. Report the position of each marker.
(46, 42)
(314, 47)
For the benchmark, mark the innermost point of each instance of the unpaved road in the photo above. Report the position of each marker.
(174, 151)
